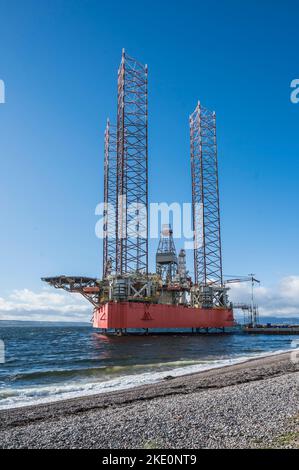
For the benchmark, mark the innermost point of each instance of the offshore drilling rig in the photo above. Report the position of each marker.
(128, 296)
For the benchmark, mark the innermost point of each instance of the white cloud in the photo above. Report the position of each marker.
(281, 299)
(25, 304)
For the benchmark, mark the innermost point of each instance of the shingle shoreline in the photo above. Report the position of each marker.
(251, 404)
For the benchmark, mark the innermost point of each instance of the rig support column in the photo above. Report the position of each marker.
(132, 168)
(205, 198)
(110, 200)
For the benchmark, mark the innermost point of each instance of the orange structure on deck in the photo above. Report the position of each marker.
(142, 315)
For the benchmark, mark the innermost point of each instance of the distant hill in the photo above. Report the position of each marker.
(291, 320)
(19, 323)
(271, 319)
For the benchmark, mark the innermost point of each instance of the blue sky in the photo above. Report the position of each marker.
(59, 62)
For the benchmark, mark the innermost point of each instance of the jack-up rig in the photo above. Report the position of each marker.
(128, 296)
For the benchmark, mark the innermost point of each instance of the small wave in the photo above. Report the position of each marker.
(95, 371)
(43, 394)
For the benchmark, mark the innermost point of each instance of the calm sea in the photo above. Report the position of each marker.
(48, 362)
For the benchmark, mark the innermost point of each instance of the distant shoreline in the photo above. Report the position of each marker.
(266, 386)
(11, 323)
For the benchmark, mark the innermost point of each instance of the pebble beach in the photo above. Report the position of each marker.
(254, 404)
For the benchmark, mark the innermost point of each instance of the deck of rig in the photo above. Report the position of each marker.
(128, 297)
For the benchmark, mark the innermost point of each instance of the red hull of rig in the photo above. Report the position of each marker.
(139, 315)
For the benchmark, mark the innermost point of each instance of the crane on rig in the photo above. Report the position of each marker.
(252, 308)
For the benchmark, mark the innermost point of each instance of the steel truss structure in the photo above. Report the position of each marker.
(132, 168)
(166, 257)
(86, 286)
(110, 200)
(205, 198)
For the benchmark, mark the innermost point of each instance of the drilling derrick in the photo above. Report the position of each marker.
(182, 266)
(171, 270)
(209, 290)
(132, 168)
(166, 257)
(110, 200)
